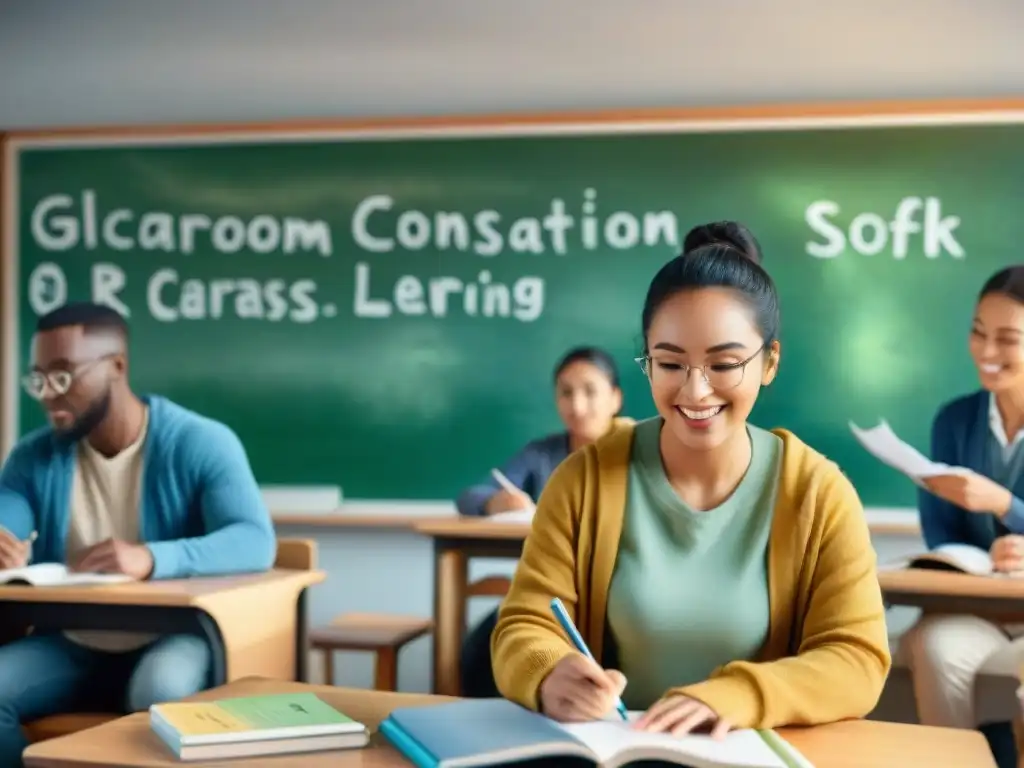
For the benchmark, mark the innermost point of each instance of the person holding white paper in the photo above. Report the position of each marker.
(981, 505)
(588, 400)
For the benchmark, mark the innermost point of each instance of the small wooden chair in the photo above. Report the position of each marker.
(295, 554)
(382, 634)
(489, 586)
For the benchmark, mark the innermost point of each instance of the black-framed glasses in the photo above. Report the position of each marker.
(720, 376)
(58, 380)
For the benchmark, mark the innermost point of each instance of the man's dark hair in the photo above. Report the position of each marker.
(93, 317)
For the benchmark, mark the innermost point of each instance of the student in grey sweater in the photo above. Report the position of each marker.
(589, 399)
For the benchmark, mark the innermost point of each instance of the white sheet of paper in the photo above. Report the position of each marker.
(882, 443)
(57, 575)
(741, 748)
(516, 516)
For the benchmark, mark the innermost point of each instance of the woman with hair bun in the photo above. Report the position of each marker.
(721, 574)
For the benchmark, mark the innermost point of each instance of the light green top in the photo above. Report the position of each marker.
(690, 588)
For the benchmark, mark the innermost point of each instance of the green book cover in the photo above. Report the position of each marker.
(255, 714)
(786, 751)
(291, 710)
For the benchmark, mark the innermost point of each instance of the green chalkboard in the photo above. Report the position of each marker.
(382, 312)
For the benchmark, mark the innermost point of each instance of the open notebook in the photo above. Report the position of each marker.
(962, 558)
(482, 732)
(57, 575)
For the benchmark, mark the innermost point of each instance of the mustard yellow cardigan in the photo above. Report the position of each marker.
(826, 656)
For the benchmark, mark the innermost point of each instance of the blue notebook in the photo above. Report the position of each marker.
(481, 732)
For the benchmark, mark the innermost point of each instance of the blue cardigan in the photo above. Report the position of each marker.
(960, 437)
(201, 511)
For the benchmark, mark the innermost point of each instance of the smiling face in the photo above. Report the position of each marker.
(997, 342)
(711, 328)
(85, 366)
(587, 400)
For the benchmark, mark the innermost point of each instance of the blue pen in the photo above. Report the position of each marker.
(577, 639)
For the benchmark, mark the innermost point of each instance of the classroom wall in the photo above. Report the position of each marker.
(119, 61)
(122, 62)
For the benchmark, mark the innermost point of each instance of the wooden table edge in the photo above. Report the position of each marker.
(415, 523)
(131, 595)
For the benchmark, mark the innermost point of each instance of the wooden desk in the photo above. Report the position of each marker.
(129, 743)
(220, 609)
(455, 542)
(948, 592)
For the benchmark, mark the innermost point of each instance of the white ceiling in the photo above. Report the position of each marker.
(124, 61)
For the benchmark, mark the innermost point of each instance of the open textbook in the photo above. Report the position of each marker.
(960, 558)
(484, 732)
(882, 443)
(57, 575)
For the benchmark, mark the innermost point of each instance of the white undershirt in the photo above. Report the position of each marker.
(105, 497)
(995, 423)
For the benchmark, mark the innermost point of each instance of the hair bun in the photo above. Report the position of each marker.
(727, 234)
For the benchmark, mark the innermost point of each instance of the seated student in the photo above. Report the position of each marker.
(588, 399)
(724, 571)
(116, 484)
(984, 433)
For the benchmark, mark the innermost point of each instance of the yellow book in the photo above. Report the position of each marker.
(253, 726)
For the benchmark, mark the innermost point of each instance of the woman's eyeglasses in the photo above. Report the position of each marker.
(719, 376)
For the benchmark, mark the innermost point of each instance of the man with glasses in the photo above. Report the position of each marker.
(117, 483)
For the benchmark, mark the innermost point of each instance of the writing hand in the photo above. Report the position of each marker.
(971, 491)
(507, 501)
(679, 715)
(14, 552)
(578, 690)
(113, 556)
(1007, 553)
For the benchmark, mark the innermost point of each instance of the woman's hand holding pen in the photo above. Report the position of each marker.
(578, 690)
(507, 501)
(14, 553)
